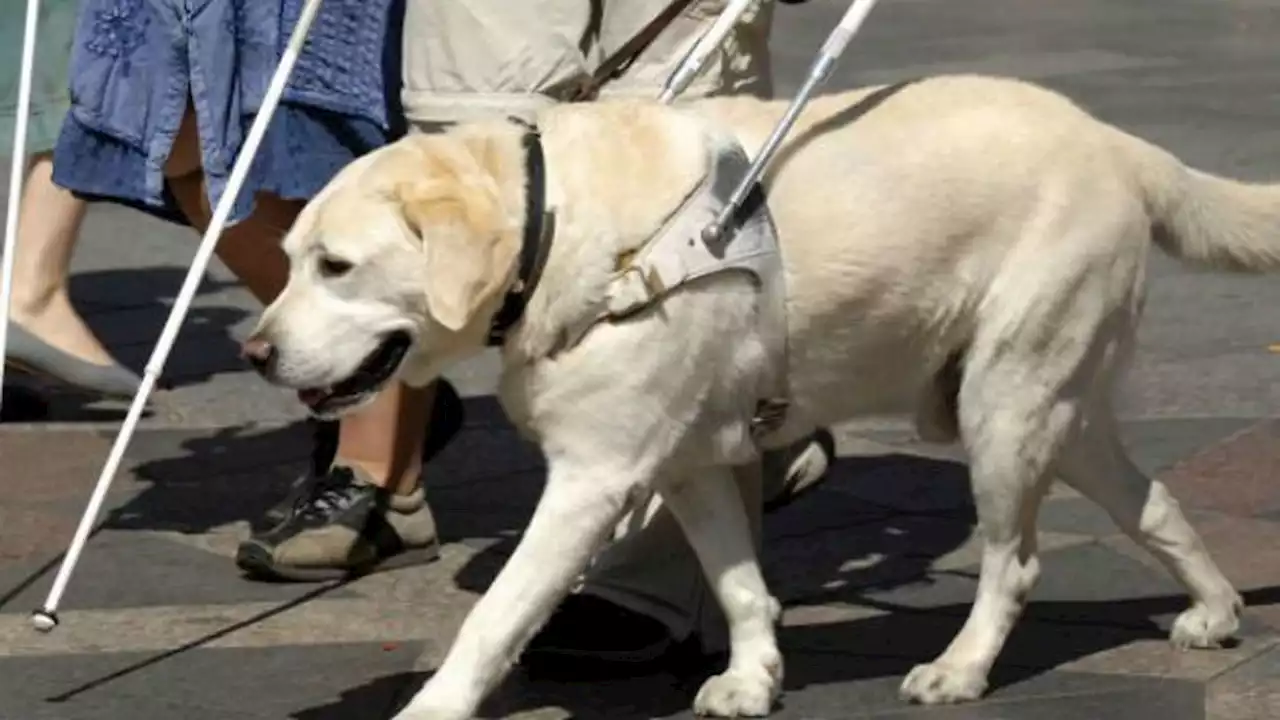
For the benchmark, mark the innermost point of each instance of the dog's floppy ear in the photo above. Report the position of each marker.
(471, 253)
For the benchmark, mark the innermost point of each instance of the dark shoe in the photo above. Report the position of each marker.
(446, 421)
(587, 633)
(343, 526)
(803, 465)
(31, 355)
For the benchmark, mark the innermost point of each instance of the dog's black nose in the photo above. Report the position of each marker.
(258, 352)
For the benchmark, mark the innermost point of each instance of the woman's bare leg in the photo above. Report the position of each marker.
(48, 228)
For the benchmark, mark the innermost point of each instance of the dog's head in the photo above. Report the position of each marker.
(396, 269)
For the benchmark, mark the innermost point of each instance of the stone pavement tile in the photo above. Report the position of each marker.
(907, 483)
(1156, 657)
(188, 454)
(1076, 515)
(1157, 444)
(823, 509)
(1246, 549)
(899, 638)
(27, 532)
(318, 618)
(1249, 691)
(1236, 476)
(302, 683)
(197, 480)
(49, 466)
(1050, 696)
(1081, 583)
(1095, 573)
(126, 569)
(866, 559)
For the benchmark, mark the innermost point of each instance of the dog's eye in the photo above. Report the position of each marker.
(334, 267)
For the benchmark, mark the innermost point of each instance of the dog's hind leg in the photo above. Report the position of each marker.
(710, 510)
(1097, 465)
(1024, 379)
(1009, 434)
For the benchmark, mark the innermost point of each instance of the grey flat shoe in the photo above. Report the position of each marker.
(30, 354)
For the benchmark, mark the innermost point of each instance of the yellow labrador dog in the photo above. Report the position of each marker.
(966, 250)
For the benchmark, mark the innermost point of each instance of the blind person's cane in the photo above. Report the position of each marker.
(17, 170)
(46, 618)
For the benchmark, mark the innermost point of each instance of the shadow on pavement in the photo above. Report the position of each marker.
(883, 648)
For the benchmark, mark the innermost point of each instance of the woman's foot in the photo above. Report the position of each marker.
(53, 342)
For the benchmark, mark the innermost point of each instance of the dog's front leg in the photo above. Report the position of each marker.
(579, 507)
(710, 510)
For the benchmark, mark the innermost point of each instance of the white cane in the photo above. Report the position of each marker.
(693, 62)
(18, 169)
(46, 618)
(831, 51)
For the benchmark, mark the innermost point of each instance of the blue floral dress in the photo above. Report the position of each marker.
(136, 64)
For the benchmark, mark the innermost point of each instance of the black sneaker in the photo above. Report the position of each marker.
(446, 421)
(588, 636)
(343, 526)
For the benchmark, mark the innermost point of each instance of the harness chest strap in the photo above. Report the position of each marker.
(675, 255)
(678, 254)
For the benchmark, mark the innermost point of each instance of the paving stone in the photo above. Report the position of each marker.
(307, 683)
(1157, 657)
(909, 484)
(1075, 515)
(123, 569)
(1250, 691)
(1158, 444)
(1235, 477)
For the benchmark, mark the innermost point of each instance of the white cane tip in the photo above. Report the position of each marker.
(44, 621)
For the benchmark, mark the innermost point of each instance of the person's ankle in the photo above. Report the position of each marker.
(29, 306)
(398, 480)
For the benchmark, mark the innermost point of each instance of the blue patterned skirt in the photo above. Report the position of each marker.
(137, 65)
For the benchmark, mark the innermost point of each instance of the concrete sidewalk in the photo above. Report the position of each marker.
(877, 567)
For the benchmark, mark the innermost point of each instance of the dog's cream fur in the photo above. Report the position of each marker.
(971, 252)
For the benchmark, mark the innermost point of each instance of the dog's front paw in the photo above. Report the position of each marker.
(1205, 627)
(736, 694)
(937, 684)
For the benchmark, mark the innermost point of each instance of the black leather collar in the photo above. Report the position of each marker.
(535, 245)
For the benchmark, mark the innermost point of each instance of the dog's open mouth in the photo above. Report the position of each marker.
(375, 371)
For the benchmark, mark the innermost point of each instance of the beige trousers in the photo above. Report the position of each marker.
(471, 59)
(465, 59)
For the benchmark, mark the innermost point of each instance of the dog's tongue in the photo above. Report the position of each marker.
(312, 396)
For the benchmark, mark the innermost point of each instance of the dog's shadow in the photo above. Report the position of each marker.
(874, 652)
(867, 541)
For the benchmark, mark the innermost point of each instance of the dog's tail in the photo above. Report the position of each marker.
(1205, 219)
